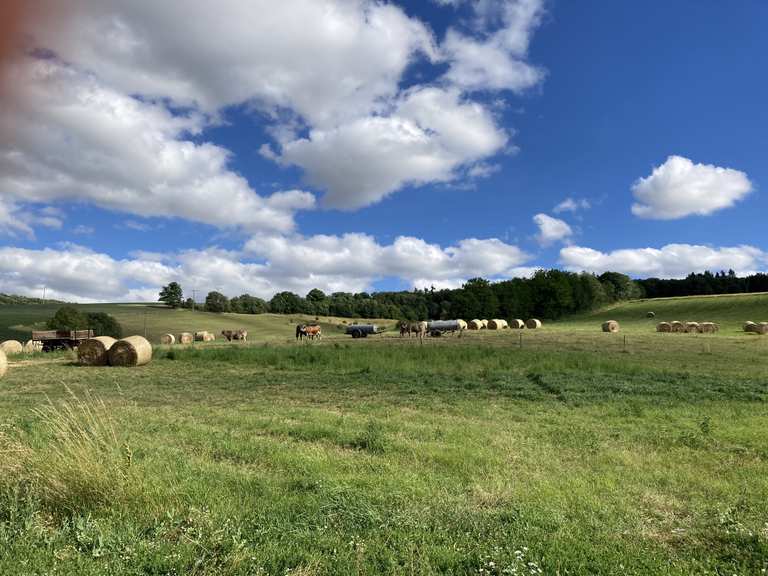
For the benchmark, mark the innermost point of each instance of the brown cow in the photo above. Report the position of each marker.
(235, 335)
(313, 331)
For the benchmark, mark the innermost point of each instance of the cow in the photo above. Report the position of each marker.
(414, 328)
(235, 335)
(313, 331)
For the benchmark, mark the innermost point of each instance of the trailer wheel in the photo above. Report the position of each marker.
(356, 334)
(435, 333)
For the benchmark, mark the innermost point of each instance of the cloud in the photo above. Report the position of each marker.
(670, 261)
(551, 230)
(680, 188)
(429, 137)
(571, 205)
(268, 264)
(327, 60)
(326, 77)
(77, 140)
(496, 61)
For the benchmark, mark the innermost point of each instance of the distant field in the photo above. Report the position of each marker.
(18, 321)
(730, 311)
(569, 455)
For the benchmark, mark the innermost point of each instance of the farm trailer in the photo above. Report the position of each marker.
(61, 339)
(361, 330)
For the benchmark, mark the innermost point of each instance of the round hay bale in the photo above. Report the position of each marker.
(663, 327)
(533, 324)
(33, 346)
(200, 336)
(95, 351)
(11, 347)
(651, 315)
(750, 327)
(168, 339)
(131, 351)
(610, 326)
(462, 325)
(762, 328)
(691, 327)
(504, 325)
(517, 324)
(3, 364)
(495, 324)
(209, 337)
(475, 324)
(186, 338)
(677, 326)
(707, 328)
(483, 324)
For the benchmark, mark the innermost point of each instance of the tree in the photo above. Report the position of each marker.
(103, 324)
(172, 295)
(216, 302)
(68, 318)
(247, 304)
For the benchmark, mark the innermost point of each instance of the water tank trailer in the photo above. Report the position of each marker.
(361, 330)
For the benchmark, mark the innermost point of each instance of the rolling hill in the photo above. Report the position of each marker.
(18, 320)
(730, 311)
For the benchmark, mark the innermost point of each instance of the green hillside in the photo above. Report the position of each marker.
(730, 311)
(18, 320)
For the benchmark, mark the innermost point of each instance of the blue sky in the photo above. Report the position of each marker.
(353, 145)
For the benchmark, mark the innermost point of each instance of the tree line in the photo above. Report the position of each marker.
(549, 294)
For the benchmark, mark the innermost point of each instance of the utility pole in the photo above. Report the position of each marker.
(44, 287)
(194, 298)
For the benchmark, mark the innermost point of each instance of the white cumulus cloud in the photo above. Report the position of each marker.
(572, 205)
(496, 61)
(75, 139)
(551, 229)
(430, 135)
(680, 188)
(268, 264)
(670, 261)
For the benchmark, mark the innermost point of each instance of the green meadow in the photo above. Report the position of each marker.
(566, 451)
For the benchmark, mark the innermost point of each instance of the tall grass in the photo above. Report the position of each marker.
(78, 463)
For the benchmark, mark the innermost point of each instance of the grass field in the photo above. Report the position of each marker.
(18, 321)
(574, 453)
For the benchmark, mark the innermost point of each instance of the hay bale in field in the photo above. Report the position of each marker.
(131, 351)
(663, 327)
(3, 364)
(483, 324)
(95, 351)
(168, 339)
(677, 326)
(762, 328)
(707, 328)
(651, 315)
(749, 326)
(209, 337)
(200, 336)
(691, 327)
(11, 347)
(517, 324)
(496, 324)
(186, 338)
(533, 324)
(610, 326)
(33, 346)
(475, 324)
(462, 325)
